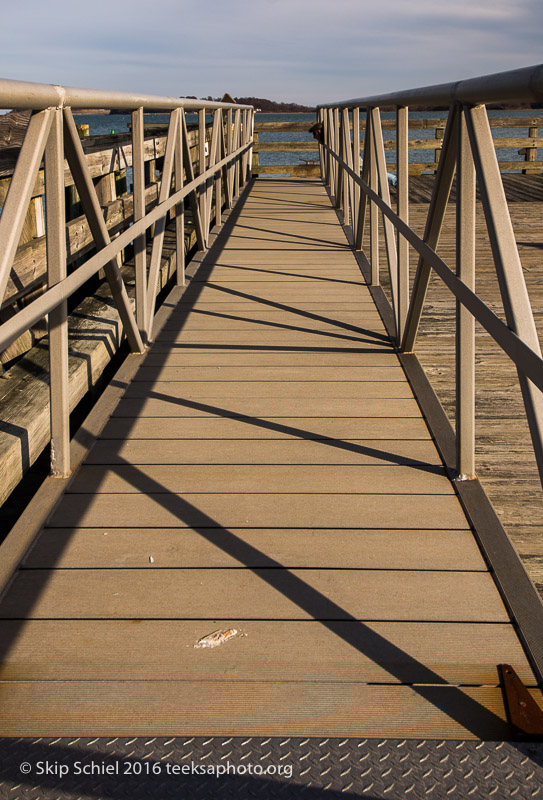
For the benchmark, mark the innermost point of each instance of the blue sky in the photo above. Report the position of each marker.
(307, 51)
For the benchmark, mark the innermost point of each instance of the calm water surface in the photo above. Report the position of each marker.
(103, 124)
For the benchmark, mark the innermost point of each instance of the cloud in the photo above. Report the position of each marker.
(305, 50)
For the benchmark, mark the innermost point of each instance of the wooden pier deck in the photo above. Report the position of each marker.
(269, 471)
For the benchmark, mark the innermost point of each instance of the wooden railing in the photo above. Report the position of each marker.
(67, 251)
(418, 146)
(305, 144)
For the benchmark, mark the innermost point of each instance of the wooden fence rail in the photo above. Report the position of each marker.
(526, 146)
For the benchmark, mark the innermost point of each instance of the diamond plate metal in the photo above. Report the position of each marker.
(323, 769)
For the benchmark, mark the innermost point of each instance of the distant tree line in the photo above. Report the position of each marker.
(264, 105)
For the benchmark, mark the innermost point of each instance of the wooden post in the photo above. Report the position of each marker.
(150, 177)
(437, 153)
(256, 160)
(106, 189)
(530, 153)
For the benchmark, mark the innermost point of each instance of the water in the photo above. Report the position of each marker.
(103, 124)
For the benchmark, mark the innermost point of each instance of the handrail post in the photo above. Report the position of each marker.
(356, 168)
(384, 193)
(180, 208)
(140, 244)
(251, 138)
(465, 321)
(374, 214)
(337, 170)
(346, 180)
(218, 176)
(230, 167)
(201, 169)
(237, 143)
(58, 317)
(329, 139)
(515, 298)
(402, 171)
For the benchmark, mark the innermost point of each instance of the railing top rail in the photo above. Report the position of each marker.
(24, 94)
(525, 84)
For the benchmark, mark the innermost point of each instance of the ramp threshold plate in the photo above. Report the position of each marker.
(288, 767)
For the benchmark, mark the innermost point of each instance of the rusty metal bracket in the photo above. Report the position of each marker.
(524, 715)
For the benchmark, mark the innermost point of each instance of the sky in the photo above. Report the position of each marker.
(305, 51)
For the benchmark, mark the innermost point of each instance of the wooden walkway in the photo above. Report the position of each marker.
(267, 471)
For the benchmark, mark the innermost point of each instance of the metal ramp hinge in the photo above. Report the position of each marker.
(524, 715)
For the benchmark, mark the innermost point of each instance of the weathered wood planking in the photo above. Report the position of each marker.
(95, 334)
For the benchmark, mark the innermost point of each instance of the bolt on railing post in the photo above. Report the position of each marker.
(58, 317)
(465, 321)
(140, 245)
(402, 170)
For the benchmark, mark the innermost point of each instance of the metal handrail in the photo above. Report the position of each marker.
(52, 137)
(25, 95)
(525, 84)
(469, 151)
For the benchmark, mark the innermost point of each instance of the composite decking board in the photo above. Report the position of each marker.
(163, 404)
(259, 510)
(250, 708)
(277, 340)
(258, 593)
(162, 355)
(292, 293)
(217, 320)
(360, 429)
(348, 652)
(270, 478)
(357, 391)
(358, 580)
(284, 321)
(82, 548)
(254, 272)
(422, 454)
(296, 373)
(317, 263)
(238, 302)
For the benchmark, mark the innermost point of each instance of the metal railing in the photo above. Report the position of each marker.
(52, 137)
(468, 150)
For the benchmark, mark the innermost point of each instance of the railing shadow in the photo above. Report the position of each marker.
(453, 702)
(299, 433)
(258, 320)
